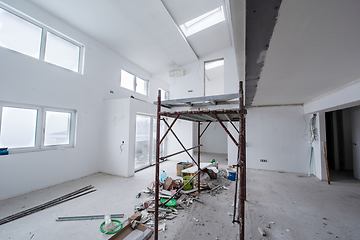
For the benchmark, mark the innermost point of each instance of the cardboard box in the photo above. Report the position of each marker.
(127, 230)
(180, 167)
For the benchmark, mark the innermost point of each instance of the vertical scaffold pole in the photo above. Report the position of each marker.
(198, 157)
(157, 167)
(241, 149)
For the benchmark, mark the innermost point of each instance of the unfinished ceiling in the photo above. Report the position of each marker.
(314, 49)
(145, 31)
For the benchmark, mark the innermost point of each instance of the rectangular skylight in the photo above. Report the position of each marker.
(210, 65)
(204, 21)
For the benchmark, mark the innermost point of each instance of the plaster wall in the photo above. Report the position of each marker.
(279, 135)
(214, 140)
(31, 81)
(184, 131)
(192, 84)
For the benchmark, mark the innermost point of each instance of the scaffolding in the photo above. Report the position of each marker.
(208, 116)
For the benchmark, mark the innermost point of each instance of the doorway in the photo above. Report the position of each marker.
(214, 77)
(145, 141)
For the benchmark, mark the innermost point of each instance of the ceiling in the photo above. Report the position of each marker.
(145, 32)
(314, 49)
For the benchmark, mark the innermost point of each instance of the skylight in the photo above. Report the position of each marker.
(214, 64)
(204, 21)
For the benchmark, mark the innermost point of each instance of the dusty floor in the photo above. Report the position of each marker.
(301, 207)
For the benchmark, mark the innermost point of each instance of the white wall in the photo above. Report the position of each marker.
(318, 166)
(119, 124)
(277, 135)
(214, 140)
(30, 81)
(194, 76)
(348, 148)
(184, 131)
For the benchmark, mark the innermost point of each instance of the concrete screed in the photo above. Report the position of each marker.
(293, 205)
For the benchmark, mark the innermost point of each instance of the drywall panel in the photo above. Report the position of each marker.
(184, 131)
(192, 84)
(214, 140)
(31, 81)
(355, 124)
(318, 166)
(115, 130)
(278, 135)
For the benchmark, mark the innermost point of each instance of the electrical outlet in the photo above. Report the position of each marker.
(263, 160)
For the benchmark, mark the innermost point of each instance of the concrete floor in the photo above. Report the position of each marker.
(301, 207)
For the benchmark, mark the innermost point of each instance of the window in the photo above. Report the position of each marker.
(204, 21)
(23, 34)
(164, 94)
(19, 35)
(18, 127)
(31, 128)
(145, 141)
(57, 128)
(61, 52)
(133, 83)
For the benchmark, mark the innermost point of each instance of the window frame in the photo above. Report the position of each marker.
(135, 77)
(167, 94)
(40, 127)
(45, 30)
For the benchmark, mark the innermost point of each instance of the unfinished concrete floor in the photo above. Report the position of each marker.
(301, 207)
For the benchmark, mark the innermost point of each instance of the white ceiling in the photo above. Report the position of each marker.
(314, 49)
(144, 31)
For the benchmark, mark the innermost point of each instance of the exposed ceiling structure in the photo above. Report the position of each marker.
(145, 32)
(314, 49)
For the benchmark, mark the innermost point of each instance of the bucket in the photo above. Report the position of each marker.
(190, 185)
(232, 176)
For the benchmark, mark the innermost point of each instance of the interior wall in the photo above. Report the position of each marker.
(347, 130)
(278, 135)
(355, 125)
(31, 81)
(118, 126)
(192, 84)
(214, 140)
(184, 131)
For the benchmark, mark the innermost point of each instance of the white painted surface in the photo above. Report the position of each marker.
(214, 138)
(194, 76)
(119, 124)
(277, 135)
(184, 131)
(313, 50)
(30, 81)
(318, 163)
(232, 148)
(355, 124)
(343, 97)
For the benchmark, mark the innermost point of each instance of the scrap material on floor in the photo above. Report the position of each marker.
(78, 193)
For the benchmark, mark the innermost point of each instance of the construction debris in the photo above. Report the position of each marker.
(262, 232)
(81, 218)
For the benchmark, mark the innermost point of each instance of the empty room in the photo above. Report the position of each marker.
(162, 119)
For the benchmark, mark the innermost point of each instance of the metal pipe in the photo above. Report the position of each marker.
(157, 167)
(172, 124)
(199, 154)
(227, 131)
(182, 145)
(205, 129)
(241, 150)
(178, 152)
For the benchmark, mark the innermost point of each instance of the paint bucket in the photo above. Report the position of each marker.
(190, 185)
(232, 176)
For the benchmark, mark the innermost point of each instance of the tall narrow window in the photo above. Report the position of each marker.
(19, 35)
(62, 52)
(57, 128)
(142, 142)
(18, 127)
